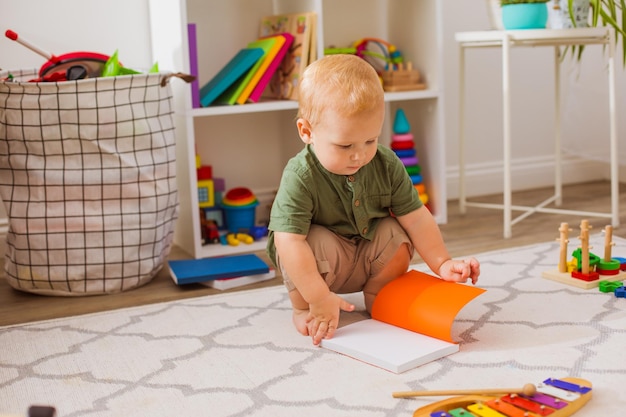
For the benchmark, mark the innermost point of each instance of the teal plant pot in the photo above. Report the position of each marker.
(524, 16)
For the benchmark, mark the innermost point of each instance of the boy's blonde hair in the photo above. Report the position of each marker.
(345, 84)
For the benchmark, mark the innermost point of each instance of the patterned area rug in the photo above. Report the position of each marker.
(238, 354)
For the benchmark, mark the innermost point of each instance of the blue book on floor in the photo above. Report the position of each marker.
(190, 271)
(234, 70)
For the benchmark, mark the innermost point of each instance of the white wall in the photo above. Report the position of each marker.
(123, 25)
(65, 26)
(584, 105)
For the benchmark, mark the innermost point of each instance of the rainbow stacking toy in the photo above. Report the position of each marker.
(239, 205)
(403, 145)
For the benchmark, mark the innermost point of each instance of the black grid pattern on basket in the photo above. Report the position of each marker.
(88, 177)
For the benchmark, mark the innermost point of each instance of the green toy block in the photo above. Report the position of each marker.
(609, 286)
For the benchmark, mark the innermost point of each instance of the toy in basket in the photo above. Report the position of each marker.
(73, 65)
(553, 397)
(76, 65)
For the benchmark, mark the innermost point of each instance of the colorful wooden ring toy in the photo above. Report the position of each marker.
(421, 188)
(401, 137)
(397, 145)
(412, 160)
(607, 271)
(247, 202)
(416, 179)
(239, 193)
(622, 262)
(405, 153)
(593, 259)
(414, 169)
(612, 265)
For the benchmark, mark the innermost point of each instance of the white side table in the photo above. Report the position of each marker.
(555, 38)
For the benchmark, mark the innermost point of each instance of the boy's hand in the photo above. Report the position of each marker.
(460, 271)
(324, 316)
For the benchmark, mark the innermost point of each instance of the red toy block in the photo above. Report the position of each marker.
(591, 276)
(205, 172)
(608, 271)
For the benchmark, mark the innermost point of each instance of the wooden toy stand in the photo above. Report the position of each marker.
(583, 275)
(404, 78)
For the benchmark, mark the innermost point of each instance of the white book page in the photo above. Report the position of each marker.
(387, 346)
(228, 283)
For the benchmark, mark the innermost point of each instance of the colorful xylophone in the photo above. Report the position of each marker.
(553, 397)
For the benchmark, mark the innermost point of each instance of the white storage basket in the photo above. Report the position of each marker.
(88, 178)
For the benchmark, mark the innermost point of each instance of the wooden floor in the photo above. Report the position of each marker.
(479, 230)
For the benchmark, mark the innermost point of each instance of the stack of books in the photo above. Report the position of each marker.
(221, 273)
(268, 67)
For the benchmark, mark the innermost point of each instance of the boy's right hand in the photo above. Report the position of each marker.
(324, 316)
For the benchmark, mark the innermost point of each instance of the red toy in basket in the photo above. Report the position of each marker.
(70, 66)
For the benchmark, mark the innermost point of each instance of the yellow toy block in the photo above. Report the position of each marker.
(206, 193)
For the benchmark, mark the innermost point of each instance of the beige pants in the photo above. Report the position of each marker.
(347, 264)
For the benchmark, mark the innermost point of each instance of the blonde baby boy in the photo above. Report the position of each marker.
(346, 217)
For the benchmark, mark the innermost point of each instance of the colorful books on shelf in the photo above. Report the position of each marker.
(284, 84)
(228, 283)
(190, 271)
(268, 67)
(249, 88)
(276, 43)
(273, 66)
(238, 92)
(411, 323)
(236, 68)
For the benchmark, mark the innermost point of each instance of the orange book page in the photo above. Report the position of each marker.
(423, 303)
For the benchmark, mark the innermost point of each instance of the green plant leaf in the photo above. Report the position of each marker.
(609, 13)
(505, 2)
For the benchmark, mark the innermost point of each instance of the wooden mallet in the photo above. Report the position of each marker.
(528, 390)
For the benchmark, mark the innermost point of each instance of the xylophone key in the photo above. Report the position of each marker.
(527, 404)
(567, 386)
(507, 409)
(482, 410)
(558, 392)
(548, 400)
(461, 412)
(440, 414)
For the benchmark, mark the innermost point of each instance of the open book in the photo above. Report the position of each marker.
(411, 323)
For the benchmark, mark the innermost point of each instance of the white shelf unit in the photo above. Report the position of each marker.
(248, 145)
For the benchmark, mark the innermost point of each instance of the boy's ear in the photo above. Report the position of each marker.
(304, 130)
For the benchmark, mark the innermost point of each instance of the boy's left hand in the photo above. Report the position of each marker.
(460, 271)
(323, 317)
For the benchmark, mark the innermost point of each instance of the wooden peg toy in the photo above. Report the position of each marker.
(590, 269)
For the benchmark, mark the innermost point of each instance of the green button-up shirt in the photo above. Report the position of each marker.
(349, 205)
